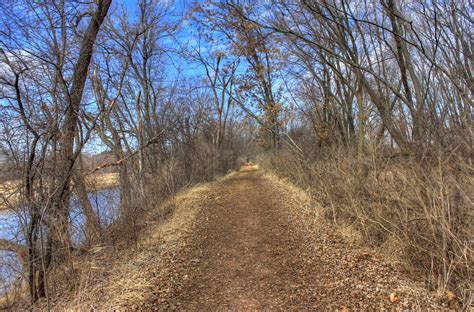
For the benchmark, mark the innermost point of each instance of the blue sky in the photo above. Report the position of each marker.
(178, 5)
(176, 64)
(183, 37)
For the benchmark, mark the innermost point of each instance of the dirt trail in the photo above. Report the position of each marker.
(247, 252)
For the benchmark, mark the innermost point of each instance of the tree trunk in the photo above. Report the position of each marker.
(60, 240)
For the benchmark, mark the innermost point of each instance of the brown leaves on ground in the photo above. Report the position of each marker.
(252, 249)
(254, 244)
(394, 298)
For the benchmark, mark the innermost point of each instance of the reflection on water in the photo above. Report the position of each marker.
(105, 204)
(13, 224)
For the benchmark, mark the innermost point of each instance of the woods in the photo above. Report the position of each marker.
(366, 104)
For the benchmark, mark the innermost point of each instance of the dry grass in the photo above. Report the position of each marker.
(132, 281)
(295, 197)
(9, 194)
(300, 201)
(102, 181)
(342, 247)
(123, 240)
(419, 214)
(125, 278)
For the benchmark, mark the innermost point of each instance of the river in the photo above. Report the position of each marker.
(12, 225)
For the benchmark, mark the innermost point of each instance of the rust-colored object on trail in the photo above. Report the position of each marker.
(249, 166)
(394, 298)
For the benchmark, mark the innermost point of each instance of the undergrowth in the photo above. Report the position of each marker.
(417, 211)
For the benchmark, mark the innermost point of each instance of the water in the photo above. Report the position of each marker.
(12, 225)
(105, 204)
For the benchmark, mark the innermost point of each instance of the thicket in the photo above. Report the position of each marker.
(81, 77)
(367, 104)
(380, 131)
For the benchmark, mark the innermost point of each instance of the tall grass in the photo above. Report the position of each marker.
(152, 196)
(420, 211)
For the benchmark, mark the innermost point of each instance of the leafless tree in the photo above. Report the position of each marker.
(50, 109)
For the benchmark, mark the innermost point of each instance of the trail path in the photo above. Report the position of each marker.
(245, 242)
(246, 251)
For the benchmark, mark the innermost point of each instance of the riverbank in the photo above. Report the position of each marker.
(10, 190)
(245, 242)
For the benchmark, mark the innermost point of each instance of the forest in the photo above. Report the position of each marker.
(110, 108)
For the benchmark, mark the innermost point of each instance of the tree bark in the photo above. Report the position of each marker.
(59, 222)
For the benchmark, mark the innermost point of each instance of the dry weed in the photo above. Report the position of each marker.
(419, 214)
(112, 281)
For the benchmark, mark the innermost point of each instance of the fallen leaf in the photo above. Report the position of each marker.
(394, 298)
(450, 296)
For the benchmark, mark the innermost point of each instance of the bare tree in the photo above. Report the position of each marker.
(50, 116)
(251, 42)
